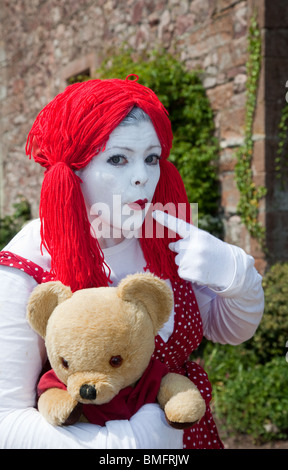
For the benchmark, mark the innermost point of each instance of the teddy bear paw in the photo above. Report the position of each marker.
(185, 409)
(58, 407)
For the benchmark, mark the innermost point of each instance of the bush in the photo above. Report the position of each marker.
(272, 334)
(11, 224)
(224, 362)
(255, 401)
(195, 149)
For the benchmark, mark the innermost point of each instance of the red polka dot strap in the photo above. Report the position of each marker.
(26, 265)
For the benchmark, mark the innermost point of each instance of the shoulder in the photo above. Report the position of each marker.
(27, 244)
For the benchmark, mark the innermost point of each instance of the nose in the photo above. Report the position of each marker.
(88, 392)
(139, 177)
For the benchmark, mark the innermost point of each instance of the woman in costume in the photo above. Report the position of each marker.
(105, 147)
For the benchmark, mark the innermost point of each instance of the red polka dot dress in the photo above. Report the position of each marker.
(186, 337)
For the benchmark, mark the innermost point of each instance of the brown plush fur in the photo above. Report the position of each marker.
(89, 327)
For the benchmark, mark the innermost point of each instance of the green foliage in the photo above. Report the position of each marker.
(11, 224)
(255, 401)
(281, 160)
(195, 149)
(250, 194)
(83, 77)
(272, 334)
(225, 362)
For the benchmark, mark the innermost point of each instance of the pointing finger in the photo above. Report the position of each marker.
(178, 226)
(171, 247)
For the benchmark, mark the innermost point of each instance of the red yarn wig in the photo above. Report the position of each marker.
(65, 136)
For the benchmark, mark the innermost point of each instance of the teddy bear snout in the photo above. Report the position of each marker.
(88, 392)
(92, 387)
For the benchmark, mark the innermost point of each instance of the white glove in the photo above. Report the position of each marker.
(201, 257)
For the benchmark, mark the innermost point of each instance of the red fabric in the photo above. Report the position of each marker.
(126, 403)
(186, 337)
(14, 261)
(49, 380)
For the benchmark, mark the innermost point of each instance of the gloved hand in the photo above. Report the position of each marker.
(151, 430)
(201, 257)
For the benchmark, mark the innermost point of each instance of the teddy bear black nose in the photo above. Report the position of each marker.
(88, 392)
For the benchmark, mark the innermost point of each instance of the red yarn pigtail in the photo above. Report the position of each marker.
(65, 232)
(170, 195)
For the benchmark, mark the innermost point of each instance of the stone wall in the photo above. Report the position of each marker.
(44, 42)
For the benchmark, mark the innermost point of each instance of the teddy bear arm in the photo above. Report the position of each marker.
(58, 407)
(181, 401)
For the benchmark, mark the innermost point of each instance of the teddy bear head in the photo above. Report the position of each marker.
(100, 340)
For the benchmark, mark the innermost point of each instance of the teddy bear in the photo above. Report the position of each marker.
(100, 343)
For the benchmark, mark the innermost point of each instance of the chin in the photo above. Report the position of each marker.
(134, 222)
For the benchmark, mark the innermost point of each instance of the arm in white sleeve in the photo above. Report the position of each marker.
(227, 286)
(231, 316)
(22, 354)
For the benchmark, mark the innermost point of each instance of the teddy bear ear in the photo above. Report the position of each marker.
(151, 291)
(42, 301)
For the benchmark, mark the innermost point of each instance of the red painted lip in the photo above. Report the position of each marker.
(138, 205)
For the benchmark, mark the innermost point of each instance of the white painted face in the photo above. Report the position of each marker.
(120, 179)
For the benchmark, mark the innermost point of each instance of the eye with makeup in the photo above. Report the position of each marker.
(152, 159)
(117, 160)
(120, 160)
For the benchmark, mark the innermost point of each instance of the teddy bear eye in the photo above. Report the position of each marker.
(116, 361)
(64, 363)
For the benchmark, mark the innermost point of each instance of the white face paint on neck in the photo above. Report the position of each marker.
(120, 180)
